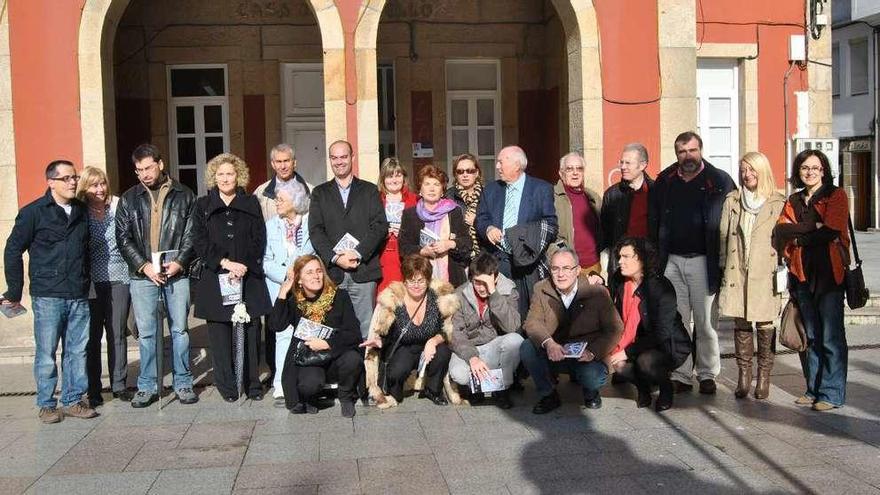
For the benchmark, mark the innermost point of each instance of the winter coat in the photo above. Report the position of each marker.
(265, 194)
(747, 285)
(276, 261)
(389, 260)
(660, 326)
(592, 317)
(383, 318)
(566, 220)
(616, 205)
(501, 316)
(245, 244)
(458, 257)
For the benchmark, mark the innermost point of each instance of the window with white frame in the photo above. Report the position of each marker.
(718, 112)
(473, 111)
(198, 120)
(387, 117)
(858, 66)
(835, 69)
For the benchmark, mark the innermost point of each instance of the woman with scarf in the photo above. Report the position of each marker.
(466, 193)
(435, 228)
(748, 263)
(309, 293)
(396, 197)
(813, 231)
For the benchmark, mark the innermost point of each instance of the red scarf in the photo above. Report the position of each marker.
(630, 314)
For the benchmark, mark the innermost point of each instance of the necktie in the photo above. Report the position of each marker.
(510, 214)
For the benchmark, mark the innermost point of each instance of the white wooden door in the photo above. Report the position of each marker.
(718, 113)
(302, 118)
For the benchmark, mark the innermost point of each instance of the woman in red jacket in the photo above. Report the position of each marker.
(396, 196)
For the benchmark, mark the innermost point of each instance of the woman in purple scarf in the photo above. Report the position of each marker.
(435, 228)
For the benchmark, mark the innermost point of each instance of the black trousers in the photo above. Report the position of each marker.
(108, 311)
(649, 368)
(221, 336)
(406, 359)
(269, 348)
(302, 383)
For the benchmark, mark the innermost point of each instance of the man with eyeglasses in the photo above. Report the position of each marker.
(625, 204)
(54, 230)
(154, 216)
(578, 207)
(684, 217)
(572, 326)
(282, 157)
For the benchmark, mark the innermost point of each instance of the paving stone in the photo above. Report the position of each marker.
(97, 455)
(761, 451)
(282, 490)
(345, 446)
(826, 479)
(297, 473)
(33, 453)
(166, 455)
(15, 484)
(339, 489)
(274, 449)
(405, 474)
(208, 480)
(481, 489)
(92, 484)
(727, 481)
(146, 433)
(299, 424)
(602, 485)
(407, 423)
(150, 416)
(233, 433)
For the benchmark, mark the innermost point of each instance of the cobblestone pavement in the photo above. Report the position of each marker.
(704, 445)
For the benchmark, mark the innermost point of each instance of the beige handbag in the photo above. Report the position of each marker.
(791, 328)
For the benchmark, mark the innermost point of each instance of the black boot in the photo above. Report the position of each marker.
(664, 399)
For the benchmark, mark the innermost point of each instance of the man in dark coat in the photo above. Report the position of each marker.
(684, 215)
(625, 204)
(54, 230)
(154, 217)
(516, 199)
(348, 205)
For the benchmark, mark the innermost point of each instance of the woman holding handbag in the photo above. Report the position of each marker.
(748, 262)
(308, 293)
(813, 231)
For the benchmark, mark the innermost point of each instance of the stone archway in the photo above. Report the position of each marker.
(98, 24)
(584, 82)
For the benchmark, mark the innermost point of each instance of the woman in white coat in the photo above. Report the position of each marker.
(287, 238)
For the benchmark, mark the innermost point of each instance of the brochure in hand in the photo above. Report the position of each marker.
(230, 289)
(160, 258)
(574, 350)
(11, 311)
(347, 243)
(493, 383)
(427, 237)
(423, 366)
(308, 329)
(394, 212)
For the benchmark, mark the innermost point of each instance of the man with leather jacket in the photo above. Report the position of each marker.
(153, 217)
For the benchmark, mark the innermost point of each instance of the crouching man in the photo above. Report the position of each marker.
(484, 329)
(565, 311)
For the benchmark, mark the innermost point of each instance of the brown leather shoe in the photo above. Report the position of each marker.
(50, 415)
(765, 361)
(744, 346)
(79, 410)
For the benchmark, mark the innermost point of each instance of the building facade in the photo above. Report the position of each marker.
(423, 80)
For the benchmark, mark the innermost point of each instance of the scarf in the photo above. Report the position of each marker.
(471, 200)
(316, 310)
(437, 221)
(751, 206)
(630, 313)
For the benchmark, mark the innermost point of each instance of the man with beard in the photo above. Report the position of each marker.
(684, 216)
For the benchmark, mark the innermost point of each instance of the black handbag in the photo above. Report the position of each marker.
(305, 356)
(857, 294)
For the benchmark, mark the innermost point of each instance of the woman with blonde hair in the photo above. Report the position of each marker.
(748, 262)
(396, 197)
(230, 237)
(109, 303)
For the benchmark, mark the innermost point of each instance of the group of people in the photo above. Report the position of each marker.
(448, 290)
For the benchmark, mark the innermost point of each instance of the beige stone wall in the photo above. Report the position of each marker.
(819, 80)
(678, 72)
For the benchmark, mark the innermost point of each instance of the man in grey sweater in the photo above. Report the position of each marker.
(485, 328)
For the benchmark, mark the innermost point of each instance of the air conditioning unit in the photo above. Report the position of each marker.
(829, 146)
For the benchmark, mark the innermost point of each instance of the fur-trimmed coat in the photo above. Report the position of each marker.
(383, 317)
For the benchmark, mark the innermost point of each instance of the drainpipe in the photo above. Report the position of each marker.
(787, 141)
(875, 152)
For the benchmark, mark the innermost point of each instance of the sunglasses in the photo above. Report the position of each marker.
(462, 171)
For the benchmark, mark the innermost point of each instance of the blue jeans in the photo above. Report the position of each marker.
(826, 358)
(591, 375)
(66, 320)
(145, 299)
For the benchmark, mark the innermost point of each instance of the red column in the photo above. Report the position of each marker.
(43, 42)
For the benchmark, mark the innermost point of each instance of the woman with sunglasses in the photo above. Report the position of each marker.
(466, 191)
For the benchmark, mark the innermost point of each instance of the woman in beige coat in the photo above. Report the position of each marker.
(748, 262)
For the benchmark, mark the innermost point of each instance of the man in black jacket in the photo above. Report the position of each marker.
(154, 217)
(54, 230)
(348, 205)
(684, 217)
(625, 204)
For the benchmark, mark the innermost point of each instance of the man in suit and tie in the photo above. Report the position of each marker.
(516, 221)
(348, 205)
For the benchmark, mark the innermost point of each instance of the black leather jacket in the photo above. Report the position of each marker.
(133, 226)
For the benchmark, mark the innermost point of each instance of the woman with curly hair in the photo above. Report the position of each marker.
(654, 341)
(230, 237)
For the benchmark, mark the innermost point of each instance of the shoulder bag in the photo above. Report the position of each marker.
(791, 329)
(853, 279)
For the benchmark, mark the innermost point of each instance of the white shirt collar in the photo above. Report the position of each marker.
(567, 298)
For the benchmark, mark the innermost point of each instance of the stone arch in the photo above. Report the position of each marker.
(98, 24)
(584, 82)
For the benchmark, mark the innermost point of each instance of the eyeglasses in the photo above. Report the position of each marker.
(569, 170)
(563, 269)
(462, 171)
(817, 170)
(416, 282)
(70, 179)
